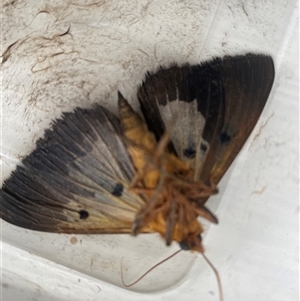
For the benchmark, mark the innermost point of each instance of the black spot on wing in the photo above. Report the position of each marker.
(83, 214)
(203, 147)
(224, 138)
(118, 189)
(189, 153)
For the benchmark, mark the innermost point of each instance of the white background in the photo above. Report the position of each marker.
(57, 55)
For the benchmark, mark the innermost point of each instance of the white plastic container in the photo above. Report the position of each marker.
(58, 56)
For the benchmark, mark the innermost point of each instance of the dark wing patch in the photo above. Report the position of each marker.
(210, 109)
(76, 179)
(247, 81)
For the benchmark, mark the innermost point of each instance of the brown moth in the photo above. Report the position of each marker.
(96, 173)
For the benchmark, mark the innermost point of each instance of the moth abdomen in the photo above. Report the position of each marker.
(134, 128)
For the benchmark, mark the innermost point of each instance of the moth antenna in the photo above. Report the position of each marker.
(221, 297)
(147, 272)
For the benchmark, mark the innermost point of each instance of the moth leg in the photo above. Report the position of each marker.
(144, 218)
(200, 193)
(171, 222)
(138, 177)
(151, 209)
(207, 214)
(161, 147)
(213, 186)
(142, 190)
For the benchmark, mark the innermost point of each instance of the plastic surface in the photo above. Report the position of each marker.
(77, 54)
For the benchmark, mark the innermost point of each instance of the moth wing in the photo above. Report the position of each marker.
(210, 109)
(76, 180)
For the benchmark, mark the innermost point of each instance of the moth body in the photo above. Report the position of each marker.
(167, 184)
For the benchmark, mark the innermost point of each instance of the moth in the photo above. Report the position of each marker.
(94, 172)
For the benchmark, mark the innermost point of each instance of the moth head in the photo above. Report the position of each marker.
(193, 243)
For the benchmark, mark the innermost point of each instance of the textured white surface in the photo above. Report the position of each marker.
(79, 53)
